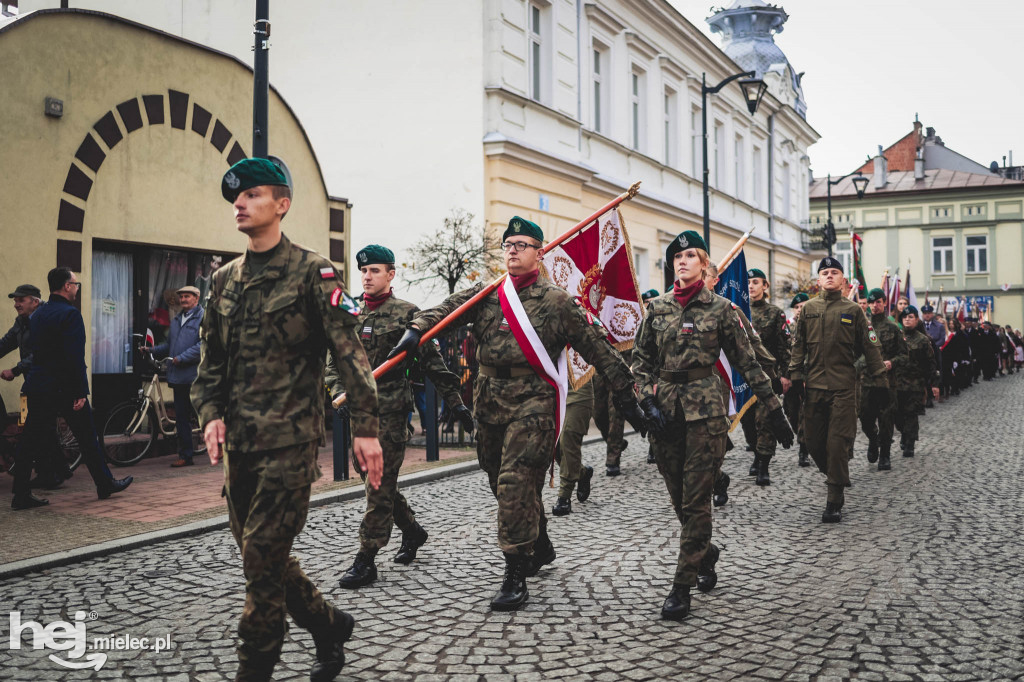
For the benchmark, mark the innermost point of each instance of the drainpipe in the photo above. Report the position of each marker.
(771, 176)
(579, 76)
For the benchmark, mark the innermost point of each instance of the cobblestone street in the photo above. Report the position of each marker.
(922, 580)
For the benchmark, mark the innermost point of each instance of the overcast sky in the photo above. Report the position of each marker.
(871, 65)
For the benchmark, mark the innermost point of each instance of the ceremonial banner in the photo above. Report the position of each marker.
(596, 267)
(858, 267)
(733, 285)
(909, 292)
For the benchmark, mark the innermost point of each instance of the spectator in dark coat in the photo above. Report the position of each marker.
(57, 384)
(182, 347)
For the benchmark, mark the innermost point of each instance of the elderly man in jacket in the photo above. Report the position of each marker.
(182, 347)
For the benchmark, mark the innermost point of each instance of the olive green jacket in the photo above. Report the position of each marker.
(674, 339)
(830, 335)
(264, 340)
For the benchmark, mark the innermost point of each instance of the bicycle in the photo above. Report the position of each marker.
(11, 432)
(134, 426)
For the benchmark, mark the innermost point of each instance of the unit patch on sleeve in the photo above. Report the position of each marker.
(326, 273)
(339, 299)
(846, 318)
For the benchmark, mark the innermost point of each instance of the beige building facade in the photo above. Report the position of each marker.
(116, 137)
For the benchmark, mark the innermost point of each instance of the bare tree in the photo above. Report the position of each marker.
(457, 252)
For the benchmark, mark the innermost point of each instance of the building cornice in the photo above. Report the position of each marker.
(602, 19)
(531, 104)
(673, 68)
(637, 44)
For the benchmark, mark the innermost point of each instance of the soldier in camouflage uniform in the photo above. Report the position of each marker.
(610, 423)
(382, 320)
(877, 420)
(917, 374)
(830, 335)
(679, 341)
(578, 411)
(770, 322)
(272, 315)
(515, 406)
(792, 402)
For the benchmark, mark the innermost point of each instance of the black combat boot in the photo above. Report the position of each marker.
(543, 551)
(706, 576)
(563, 507)
(363, 572)
(762, 471)
(612, 470)
(677, 605)
(412, 540)
(754, 465)
(804, 460)
(255, 665)
(721, 490)
(833, 513)
(908, 451)
(513, 593)
(583, 485)
(650, 457)
(884, 462)
(330, 650)
(28, 501)
(872, 450)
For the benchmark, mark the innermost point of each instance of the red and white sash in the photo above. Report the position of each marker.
(533, 349)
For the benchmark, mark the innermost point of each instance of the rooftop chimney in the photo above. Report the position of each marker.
(881, 166)
(919, 165)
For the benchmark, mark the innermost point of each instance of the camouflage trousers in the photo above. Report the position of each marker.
(268, 498)
(764, 447)
(610, 423)
(689, 457)
(830, 424)
(515, 457)
(906, 415)
(570, 443)
(386, 507)
(877, 422)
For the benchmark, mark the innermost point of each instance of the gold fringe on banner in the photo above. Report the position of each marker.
(743, 411)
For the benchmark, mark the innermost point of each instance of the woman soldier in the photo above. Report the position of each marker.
(916, 374)
(679, 341)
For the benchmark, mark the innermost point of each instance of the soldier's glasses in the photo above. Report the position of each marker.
(518, 246)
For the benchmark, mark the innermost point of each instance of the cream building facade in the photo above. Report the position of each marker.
(540, 108)
(115, 139)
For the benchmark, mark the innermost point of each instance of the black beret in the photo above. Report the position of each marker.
(757, 272)
(375, 254)
(249, 173)
(798, 299)
(830, 262)
(26, 290)
(685, 240)
(522, 226)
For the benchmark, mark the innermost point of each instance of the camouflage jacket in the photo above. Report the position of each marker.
(379, 330)
(559, 321)
(919, 369)
(893, 346)
(770, 323)
(830, 334)
(264, 340)
(673, 338)
(764, 358)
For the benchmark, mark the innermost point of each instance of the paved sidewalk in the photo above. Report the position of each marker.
(921, 581)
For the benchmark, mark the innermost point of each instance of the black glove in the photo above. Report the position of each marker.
(781, 429)
(465, 417)
(777, 386)
(879, 396)
(630, 410)
(797, 385)
(655, 419)
(343, 411)
(409, 342)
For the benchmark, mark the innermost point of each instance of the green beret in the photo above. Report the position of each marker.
(756, 272)
(909, 310)
(524, 227)
(649, 294)
(686, 240)
(375, 254)
(249, 173)
(876, 295)
(798, 299)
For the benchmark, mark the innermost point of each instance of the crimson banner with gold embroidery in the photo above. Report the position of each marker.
(596, 267)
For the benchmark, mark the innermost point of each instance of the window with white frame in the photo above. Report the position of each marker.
(719, 169)
(636, 106)
(641, 266)
(669, 117)
(696, 142)
(598, 76)
(842, 250)
(977, 253)
(739, 156)
(756, 173)
(942, 255)
(536, 51)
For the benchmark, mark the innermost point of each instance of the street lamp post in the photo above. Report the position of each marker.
(261, 79)
(860, 183)
(753, 89)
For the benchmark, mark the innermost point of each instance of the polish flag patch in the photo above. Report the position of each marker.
(326, 273)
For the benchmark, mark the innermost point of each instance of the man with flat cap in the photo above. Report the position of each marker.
(522, 330)
(182, 347)
(381, 323)
(272, 315)
(830, 335)
(877, 418)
